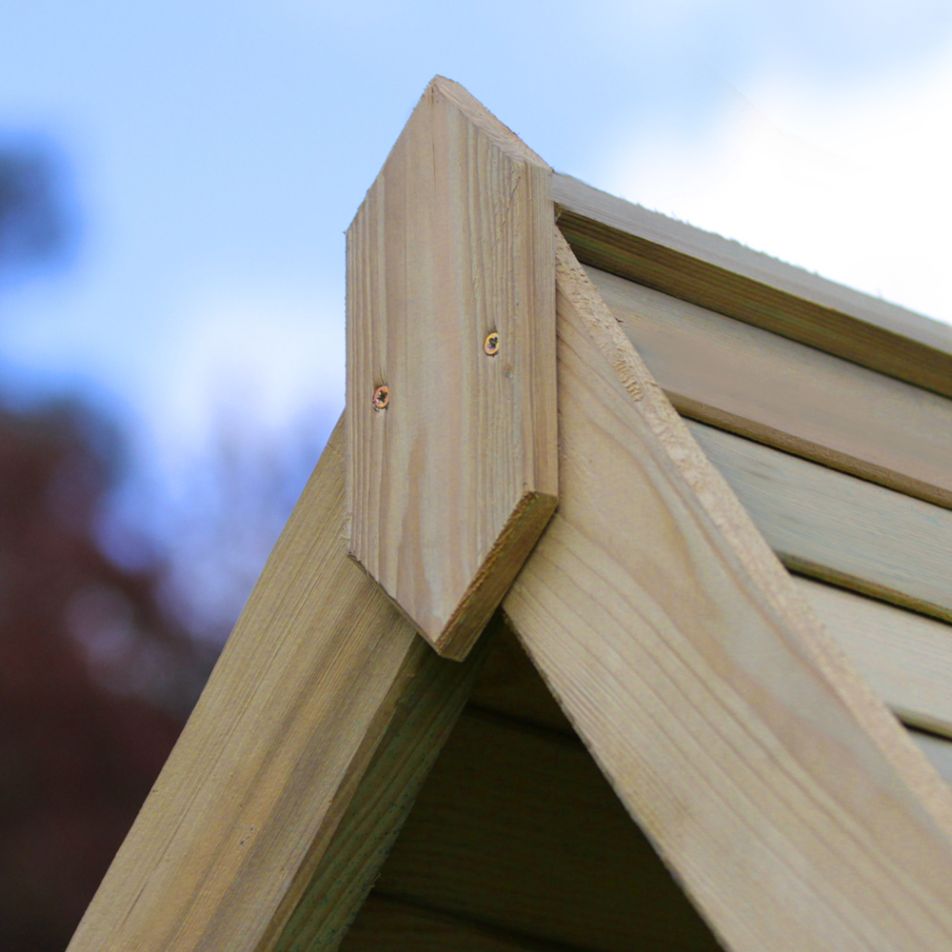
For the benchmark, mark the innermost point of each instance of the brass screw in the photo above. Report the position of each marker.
(381, 398)
(491, 344)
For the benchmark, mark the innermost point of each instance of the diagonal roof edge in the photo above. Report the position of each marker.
(722, 275)
(781, 791)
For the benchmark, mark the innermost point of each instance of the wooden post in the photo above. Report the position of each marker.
(451, 366)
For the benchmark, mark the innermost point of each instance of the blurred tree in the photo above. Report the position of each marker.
(34, 225)
(95, 675)
(105, 638)
(79, 744)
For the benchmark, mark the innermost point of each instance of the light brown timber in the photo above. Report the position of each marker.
(318, 670)
(509, 685)
(451, 484)
(838, 528)
(426, 714)
(787, 799)
(905, 657)
(798, 399)
(704, 269)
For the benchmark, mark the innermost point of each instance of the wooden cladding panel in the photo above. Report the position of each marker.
(704, 269)
(939, 752)
(905, 657)
(517, 829)
(839, 528)
(798, 399)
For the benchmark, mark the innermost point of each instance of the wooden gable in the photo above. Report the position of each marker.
(741, 609)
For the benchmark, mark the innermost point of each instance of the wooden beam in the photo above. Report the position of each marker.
(451, 308)
(798, 399)
(426, 715)
(704, 269)
(906, 659)
(509, 684)
(786, 798)
(320, 671)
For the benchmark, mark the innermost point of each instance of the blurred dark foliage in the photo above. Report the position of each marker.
(78, 749)
(35, 224)
(96, 676)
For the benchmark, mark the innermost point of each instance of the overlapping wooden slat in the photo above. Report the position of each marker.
(650, 249)
(839, 528)
(516, 828)
(905, 657)
(760, 385)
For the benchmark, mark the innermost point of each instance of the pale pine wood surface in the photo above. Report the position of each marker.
(771, 389)
(425, 715)
(939, 752)
(905, 657)
(837, 527)
(244, 809)
(785, 796)
(517, 829)
(452, 483)
(614, 235)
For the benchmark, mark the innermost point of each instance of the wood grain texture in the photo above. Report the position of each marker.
(905, 657)
(452, 483)
(785, 796)
(517, 829)
(245, 808)
(389, 925)
(425, 715)
(798, 399)
(839, 528)
(704, 269)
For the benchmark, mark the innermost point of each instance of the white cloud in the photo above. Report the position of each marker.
(257, 357)
(852, 183)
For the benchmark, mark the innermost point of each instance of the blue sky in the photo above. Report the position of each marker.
(216, 152)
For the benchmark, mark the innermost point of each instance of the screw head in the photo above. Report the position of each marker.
(491, 344)
(381, 397)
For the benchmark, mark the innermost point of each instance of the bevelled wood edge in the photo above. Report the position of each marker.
(451, 391)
